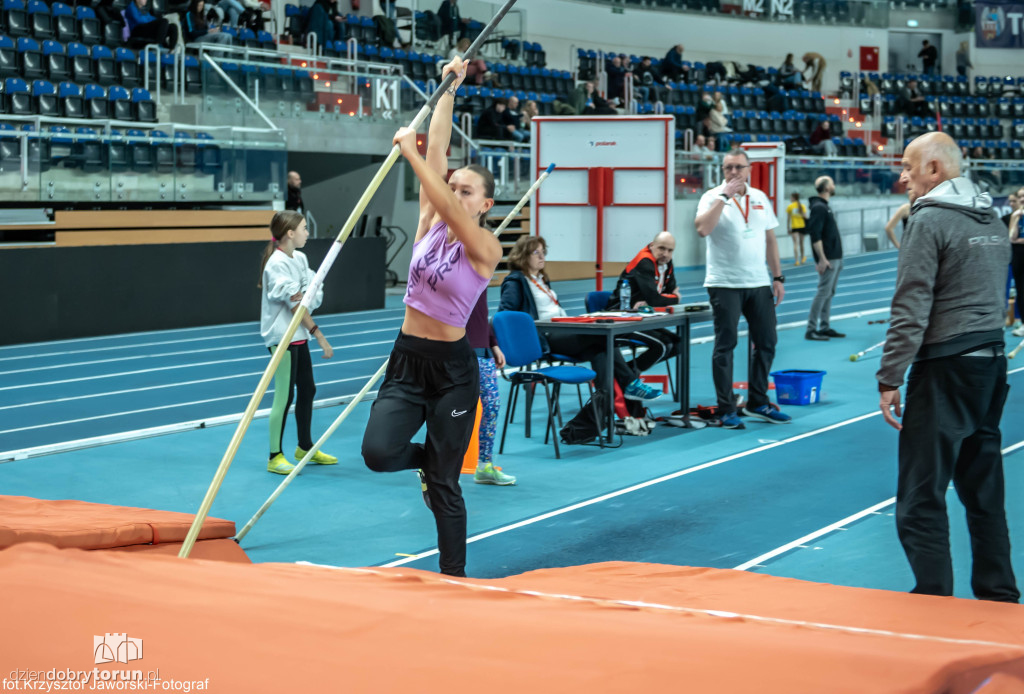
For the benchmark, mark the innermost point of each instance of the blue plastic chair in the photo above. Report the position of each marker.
(518, 339)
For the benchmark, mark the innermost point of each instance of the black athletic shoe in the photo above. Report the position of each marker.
(829, 332)
(423, 487)
(816, 336)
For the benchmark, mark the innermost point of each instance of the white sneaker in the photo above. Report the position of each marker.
(1018, 332)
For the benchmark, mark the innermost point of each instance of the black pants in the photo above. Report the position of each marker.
(757, 305)
(437, 383)
(300, 385)
(661, 345)
(951, 432)
(592, 348)
(158, 31)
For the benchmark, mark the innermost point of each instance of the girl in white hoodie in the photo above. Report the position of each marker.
(285, 278)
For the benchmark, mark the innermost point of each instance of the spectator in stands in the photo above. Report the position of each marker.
(294, 201)
(701, 150)
(587, 102)
(106, 11)
(827, 246)
(912, 101)
(476, 70)
(821, 140)
(929, 56)
(196, 29)
(739, 224)
(712, 143)
(963, 60)
(672, 67)
(144, 27)
(512, 119)
(616, 80)
(652, 282)
(526, 116)
(452, 22)
(814, 63)
(789, 76)
(990, 177)
(324, 21)
(492, 124)
(647, 81)
(716, 119)
(234, 9)
(528, 289)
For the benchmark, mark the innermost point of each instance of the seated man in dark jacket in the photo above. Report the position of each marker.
(652, 282)
(526, 289)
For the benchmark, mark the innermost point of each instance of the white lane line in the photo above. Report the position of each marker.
(172, 354)
(163, 407)
(644, 485)
(838, 525)
(247, 338)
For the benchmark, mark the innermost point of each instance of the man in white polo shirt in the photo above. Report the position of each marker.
(738, 223)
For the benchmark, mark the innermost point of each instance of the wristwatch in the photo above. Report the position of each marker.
(780, 279)
(724, 196)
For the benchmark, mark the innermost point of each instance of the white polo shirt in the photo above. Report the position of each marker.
(736, 255)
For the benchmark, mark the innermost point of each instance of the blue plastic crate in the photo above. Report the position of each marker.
(798, 387)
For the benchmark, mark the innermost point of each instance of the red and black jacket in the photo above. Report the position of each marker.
(642, 273)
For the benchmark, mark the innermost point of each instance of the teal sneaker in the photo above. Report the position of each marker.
(488, 474)
(638, 390)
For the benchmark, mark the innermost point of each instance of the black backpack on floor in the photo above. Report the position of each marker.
(583, 428)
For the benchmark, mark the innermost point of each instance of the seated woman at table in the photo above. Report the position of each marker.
(528, 289)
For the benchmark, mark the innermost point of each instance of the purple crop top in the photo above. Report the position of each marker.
(443, 284)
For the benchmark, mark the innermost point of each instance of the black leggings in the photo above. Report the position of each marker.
(437, 383)
(661, 345)
(592, 348)
(294, 373)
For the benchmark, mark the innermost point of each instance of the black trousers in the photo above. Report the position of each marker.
(158, 31)
(757, 305)
(437, 383)
(951, 432)
(592, 348)
(300, 385)
(661, 345)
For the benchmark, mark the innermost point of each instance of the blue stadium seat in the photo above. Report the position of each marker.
(120, 103)
(40, 20)
(89, 29)
(143, 106)
(16, 18)
(96, 104)
(70, 100)
(103, 65)
(17, 96)
(31, 58)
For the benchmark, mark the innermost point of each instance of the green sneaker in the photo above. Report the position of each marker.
(279, 465)
(319, 458)
(488, 474)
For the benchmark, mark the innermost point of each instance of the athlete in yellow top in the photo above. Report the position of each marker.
(796, 214)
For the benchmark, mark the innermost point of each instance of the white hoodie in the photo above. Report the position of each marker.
(284, 277)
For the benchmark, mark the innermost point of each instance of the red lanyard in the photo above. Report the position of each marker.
(745, 213)
(544, 289)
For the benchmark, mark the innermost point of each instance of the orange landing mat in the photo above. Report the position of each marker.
(612, 627)
(83, 525)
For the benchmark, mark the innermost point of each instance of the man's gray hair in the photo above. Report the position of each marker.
(738, 152)
(945, 151)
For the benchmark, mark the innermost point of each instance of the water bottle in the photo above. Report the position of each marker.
(625, 300)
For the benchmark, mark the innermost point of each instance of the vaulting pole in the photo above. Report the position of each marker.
(325, 267)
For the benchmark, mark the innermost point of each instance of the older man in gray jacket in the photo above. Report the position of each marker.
(947, 318)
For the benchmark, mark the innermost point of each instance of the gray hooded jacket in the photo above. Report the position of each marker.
(950, 282)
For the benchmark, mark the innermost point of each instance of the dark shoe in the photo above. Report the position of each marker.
(830, 333)
(815, 335)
